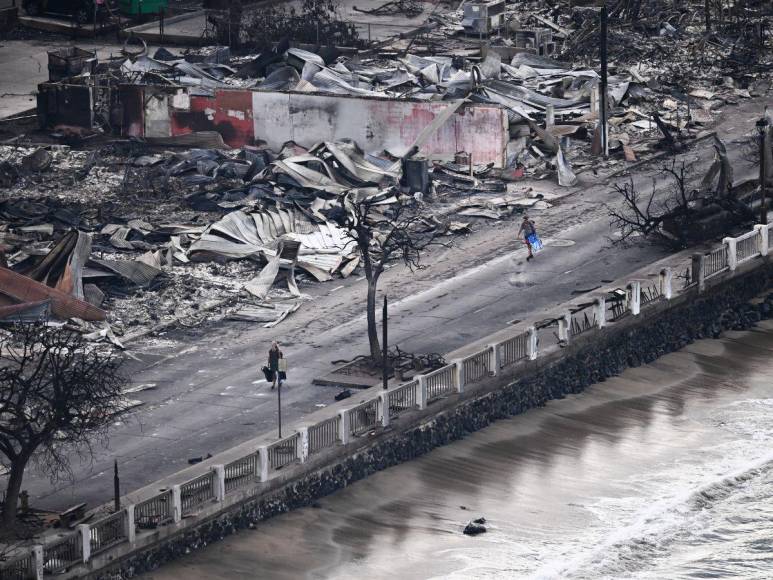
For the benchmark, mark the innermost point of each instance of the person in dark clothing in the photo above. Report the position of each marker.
(274, 354)
(528, 228)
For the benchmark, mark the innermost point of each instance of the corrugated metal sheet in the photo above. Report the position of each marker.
(139, 273)
(239, 235)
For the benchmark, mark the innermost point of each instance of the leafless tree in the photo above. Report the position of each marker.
(316, 22)
(645, 214)
(383, 233)
(57, 396)
(671, 215)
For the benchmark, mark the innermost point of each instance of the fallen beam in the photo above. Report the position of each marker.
(23, 289)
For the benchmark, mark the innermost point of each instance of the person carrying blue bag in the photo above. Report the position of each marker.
(530, 237)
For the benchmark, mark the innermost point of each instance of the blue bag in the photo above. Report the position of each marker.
(535, 242)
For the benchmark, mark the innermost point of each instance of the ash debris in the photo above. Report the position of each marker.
(161, 200)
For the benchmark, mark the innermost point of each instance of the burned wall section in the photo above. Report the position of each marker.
(643, 339)
(243, 117)
(65, 104)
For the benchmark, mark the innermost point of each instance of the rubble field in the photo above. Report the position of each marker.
(119, 233)
(167, 236)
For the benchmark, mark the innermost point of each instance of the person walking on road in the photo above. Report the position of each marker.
(274, 354)
(528, 228)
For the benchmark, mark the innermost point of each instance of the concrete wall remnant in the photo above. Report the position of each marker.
(65, 104)
(243, 117)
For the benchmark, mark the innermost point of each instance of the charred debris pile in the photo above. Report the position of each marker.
(118, 235)
(126, 236)
(670, 73)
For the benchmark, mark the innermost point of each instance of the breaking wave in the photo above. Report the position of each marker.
(704, 513)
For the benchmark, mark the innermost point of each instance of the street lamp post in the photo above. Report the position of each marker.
(762, 129)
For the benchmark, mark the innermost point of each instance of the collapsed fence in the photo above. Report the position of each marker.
(372, 415)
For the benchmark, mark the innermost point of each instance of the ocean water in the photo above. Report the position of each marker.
(665, 472)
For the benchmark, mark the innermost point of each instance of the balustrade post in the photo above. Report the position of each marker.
(263, 461)
(666, 283)
(699, 271)
(732, 253)
(343, 425)
(131, 528)
(762, 231)
(177, 504)
(531, 343)
(635, 297)
(601, 311)
(564, 324)
(421, 391)
(458, 375)
(84, 530)
(39, 561)
(303, 441)
(383, 404)
(219, 482)
(496, 359)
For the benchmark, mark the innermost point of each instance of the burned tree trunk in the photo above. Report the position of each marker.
(678, 215)
(375, 347)
(15, 478)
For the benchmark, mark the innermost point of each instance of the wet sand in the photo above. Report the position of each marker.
(638, 477)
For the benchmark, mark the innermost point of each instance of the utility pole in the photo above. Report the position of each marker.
(762, 129)
(603, 88)
(116, 487)
(385, 348)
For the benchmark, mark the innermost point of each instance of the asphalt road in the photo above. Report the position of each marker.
(208, 395)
